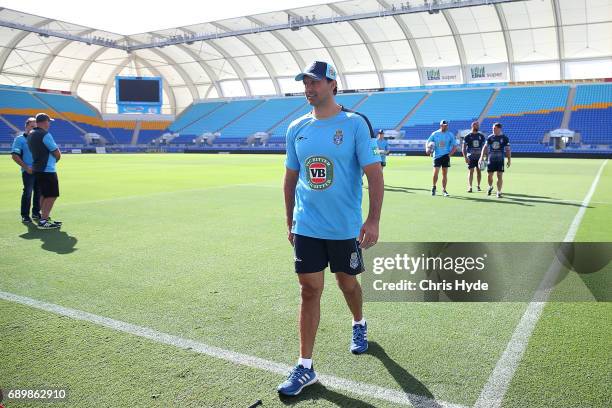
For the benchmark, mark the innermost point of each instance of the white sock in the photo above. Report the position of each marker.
(305, 362)
(361, 322)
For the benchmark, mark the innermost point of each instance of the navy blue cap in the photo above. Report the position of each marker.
(444, 122)
(317, 71)
(380, 131)
(43, 117)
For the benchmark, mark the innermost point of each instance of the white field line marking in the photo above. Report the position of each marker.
(158, 193)
(353, 387)
(494, 390)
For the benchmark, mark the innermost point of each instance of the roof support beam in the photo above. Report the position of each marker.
(411, 42)
(509, 51)
(260, 55)
(458, 44)
(234, 65)
(364, 37)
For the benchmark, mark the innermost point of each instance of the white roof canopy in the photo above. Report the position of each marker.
(381, 51)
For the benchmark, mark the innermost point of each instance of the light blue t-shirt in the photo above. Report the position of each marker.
(21, 148)
(383, 145)
(444, 142)
(50, 143)
(330, 155)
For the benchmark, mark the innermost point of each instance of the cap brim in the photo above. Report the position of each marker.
(301, 76)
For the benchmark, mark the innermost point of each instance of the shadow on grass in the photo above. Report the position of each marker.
(416, 392)
(318, 392)
(54, 240)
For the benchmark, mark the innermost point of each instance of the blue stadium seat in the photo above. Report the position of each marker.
(460, 108)
(386, 110)
(220, 117)
(593, 109)
(263, 117)
(193, 113)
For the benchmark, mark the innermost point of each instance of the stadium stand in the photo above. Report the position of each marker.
(592, 114)
(151, 130)
(460, 108)
(527, 113)
(7, 133)
(193, 113)
(278, 133)
(386, 110)
(122, 130)
(220, 117)
(73, 117)
(262, 118)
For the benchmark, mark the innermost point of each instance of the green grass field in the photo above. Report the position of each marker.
(195, 246)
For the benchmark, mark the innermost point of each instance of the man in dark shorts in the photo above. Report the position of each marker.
(472, 146)
(496, 147)
(328, 151)
(442, 144)
(45, 154)
(20, 152)
(383, 147)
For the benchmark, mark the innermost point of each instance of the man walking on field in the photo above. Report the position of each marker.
(328, 151)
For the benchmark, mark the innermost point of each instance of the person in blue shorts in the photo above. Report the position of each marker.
(328, 151)
(21, 154)
(444, 146)
(495, 149)
(471, 149)
(383, 147)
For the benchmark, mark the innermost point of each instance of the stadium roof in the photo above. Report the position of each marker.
(372, 43)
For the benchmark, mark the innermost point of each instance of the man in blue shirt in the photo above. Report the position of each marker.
(45, 155)
(328, 150)
(383, 147)
(495, 149)
(20, 152)
(442, 144)
(473, 143)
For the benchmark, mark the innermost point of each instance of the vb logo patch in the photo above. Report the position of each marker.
(338, 137)
(320, 172)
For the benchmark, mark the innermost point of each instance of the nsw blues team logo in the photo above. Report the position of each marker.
(320, 172)
(338, 137)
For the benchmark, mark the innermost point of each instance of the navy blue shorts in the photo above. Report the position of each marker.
(473, 162)
(315, 254)
(442, 161)
(495, 165)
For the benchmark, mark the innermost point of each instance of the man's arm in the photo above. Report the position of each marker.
(289, 183)
(21, 164)
(508, 155)
(464, 151)
(454, 148)
(483, 153)
(57, 154)
(368, 236)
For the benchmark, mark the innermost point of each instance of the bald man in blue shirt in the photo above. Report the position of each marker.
(444, 146)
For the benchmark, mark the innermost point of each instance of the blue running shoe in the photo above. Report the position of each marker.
(359, 344)
(299, 378)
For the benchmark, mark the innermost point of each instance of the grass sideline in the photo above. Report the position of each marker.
(180, 243)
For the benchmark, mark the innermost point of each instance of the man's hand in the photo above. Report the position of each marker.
(508, 165)
(467, 161)
(290, 235)
(29, 170)
(368, 235)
